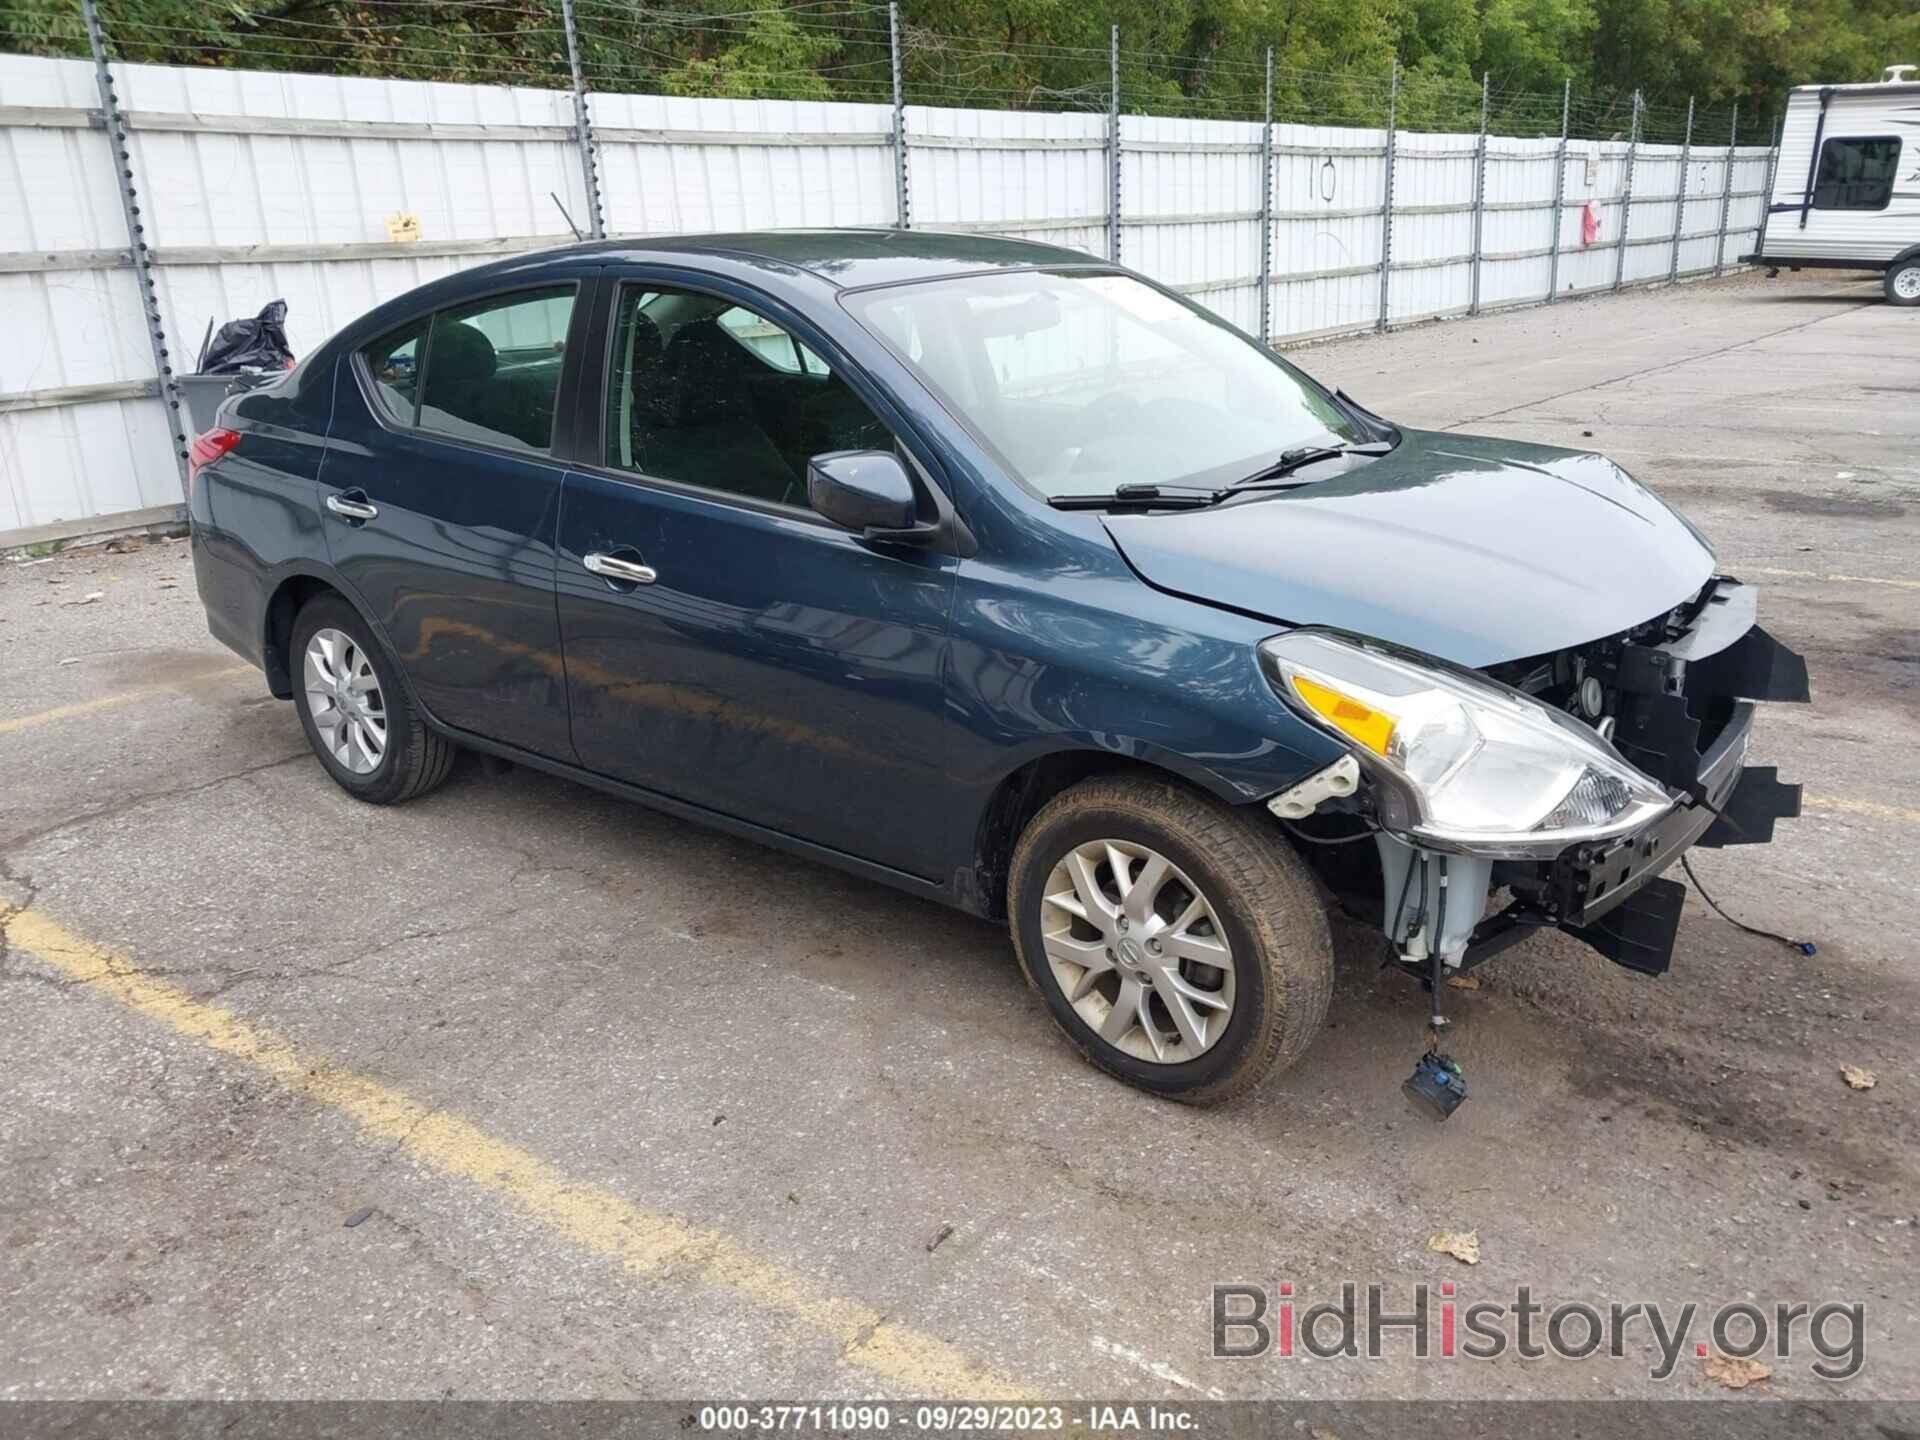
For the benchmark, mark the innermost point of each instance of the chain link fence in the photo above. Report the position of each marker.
(388, 148)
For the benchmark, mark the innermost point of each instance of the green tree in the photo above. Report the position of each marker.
(768, 56)
(1191, 57)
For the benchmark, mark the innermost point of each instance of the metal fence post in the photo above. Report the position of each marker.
(1559, 193)
(1113, 150)
(1726, 192)
(1479, 195)
(1386, 202)
(1626, 198)
(141, 253)
(903, 213)
(1766, 194)
(583, 126)
(1680, 204)
(1266, 211)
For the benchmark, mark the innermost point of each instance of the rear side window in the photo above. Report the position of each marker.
(488, 371)
(493, 369)
(1856, 174)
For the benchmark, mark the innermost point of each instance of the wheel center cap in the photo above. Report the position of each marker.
(1131, 955)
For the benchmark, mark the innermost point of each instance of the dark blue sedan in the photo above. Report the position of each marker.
(1014, 580)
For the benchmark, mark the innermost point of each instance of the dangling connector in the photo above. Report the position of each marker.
(1436, 1086)
(1804, 947)
(1429, 938)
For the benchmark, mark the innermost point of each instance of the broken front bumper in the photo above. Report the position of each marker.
(1612, 895)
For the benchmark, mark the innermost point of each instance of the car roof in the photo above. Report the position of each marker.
(843, 258)
(782, 261)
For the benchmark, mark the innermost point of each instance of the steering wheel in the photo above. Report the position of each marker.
(1100, 426)
(1113, 413)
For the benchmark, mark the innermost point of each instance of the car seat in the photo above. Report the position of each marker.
(701, 427)
(463, 381)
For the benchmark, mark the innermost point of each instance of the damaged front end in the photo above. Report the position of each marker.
(1550, 792)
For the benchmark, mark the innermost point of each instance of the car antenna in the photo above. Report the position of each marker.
(577, 233)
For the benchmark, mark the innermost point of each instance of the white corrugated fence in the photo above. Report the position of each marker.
(256, 186)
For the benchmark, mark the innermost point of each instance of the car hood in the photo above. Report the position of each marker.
(1470, 549)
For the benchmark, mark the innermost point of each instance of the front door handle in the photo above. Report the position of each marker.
(612, 567)
(352, 505)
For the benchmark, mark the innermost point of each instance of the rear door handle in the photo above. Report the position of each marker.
(613, 567)
(352, 505)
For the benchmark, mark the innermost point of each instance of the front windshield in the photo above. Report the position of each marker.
(1083, 382)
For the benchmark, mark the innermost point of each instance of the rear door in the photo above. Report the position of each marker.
(740, 652)
(442, 501)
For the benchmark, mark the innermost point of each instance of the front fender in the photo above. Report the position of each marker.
(1100, 663)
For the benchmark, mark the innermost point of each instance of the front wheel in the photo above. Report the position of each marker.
(1178, 942)
(1903, 282)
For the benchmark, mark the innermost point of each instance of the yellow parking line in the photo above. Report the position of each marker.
(1863, 807)
(113, 701)
(1842, 579)
(647, 1243)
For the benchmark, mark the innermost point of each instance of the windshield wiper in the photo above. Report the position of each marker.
(1158, 497)
(1304, 455)
(1198, 497)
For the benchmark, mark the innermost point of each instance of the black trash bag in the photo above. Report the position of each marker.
(256, 344)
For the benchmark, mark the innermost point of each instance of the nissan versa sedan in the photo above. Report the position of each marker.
(1014, 580)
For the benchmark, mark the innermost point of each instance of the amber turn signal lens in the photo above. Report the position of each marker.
(1362, 723)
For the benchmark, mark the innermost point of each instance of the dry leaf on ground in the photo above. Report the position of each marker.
(1463, 982)
(1856, 1078)
(1735, 1373)
(1462, 1245)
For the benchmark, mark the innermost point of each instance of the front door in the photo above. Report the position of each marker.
(442, 503)
(724, 645)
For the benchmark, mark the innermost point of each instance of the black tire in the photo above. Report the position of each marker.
(416, 758)
(1264, 897)
(1904, 275)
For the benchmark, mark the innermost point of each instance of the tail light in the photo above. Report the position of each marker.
(207, 448)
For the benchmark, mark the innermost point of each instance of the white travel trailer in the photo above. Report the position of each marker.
(1846, 189)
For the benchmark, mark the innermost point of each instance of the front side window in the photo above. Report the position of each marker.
(1856, 174)
(1080, 382)
(492, 369)
(705, 392)
(768, 341)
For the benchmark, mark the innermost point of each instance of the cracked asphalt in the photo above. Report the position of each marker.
(520, 1091)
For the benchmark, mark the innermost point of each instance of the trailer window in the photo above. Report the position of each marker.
(1856, 174)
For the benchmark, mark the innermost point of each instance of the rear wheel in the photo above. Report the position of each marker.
(1903, 282)
(1178, 942)
(357, 715)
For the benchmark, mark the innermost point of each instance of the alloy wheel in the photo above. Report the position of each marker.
(344, 699)
(1138, 951)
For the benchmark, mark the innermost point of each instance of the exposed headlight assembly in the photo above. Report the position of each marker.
(1463, 763)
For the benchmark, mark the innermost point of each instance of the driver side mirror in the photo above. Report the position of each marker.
(867, 491)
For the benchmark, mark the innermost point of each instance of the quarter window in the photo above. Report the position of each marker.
(1856, 174)
(713, 394)
(394, 363)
